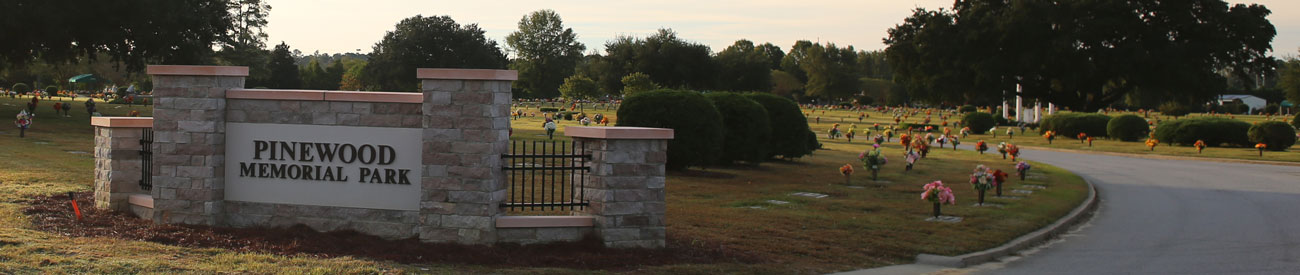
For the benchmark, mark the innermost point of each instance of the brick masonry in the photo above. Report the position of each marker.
(117, 166)
(189, 147)
(626, 191)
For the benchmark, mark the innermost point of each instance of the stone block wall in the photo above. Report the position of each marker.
(189, 141)
(626, 185)
(466, 130)
(117, 166)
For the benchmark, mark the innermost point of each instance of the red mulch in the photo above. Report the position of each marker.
(54, 214)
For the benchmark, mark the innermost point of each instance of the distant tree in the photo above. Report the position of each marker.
(351, 80)
(579, 87)
(545, 53)
(334, 75)
(245, 42)
(637, 82)
(743, 67)
(785, 84)
(428, 42)
(793, 60)
(284, 72)
(1289, 73)
(832, 71)
(773, 54)
(667, 59)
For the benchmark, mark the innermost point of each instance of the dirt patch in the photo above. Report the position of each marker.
(54, 214)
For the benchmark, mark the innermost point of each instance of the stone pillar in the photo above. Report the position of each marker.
(1020, 107)
(466, 130)
(626, 183)
(117, 160)
(189, 141)
(1038, 111)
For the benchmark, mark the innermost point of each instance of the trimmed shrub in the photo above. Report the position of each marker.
(813, 143)
(1296, 121)
(50, 90)
(696, 124)
(1213, 130)
(967, 109)
(549, 109)
(978, 122)
(747, 129)
(788, 124)
(1127, 128)
(1174, 109)
(22, 88)
(1071, 124)
(1278, 135)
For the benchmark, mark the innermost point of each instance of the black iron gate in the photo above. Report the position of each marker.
(146, 159)
(546, 175)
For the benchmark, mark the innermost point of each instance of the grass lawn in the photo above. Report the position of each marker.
(861, 224)
(1032, 138)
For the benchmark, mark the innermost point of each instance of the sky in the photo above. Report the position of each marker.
(337, 26)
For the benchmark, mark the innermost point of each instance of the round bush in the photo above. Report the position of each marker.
(788, 124)
(22, 88)
(978, 122)
(747, 128)
(1213, 130)
(50, 90)
(1278, 135)
(1174, 109)
(920, 127)
(1127, 128)
(1296, 121)
(696, 124)
(1071, 124)
(813, 143)
(967, 109)
(549, 109)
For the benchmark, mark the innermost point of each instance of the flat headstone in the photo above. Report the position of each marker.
(776, 202)
(810, 195)
(988, 204)
(1033, 177)
(947, 219)
(42, 143)
(77, 152)
(1034, 186)
(756, 207)
(856, 187)
(1022, 191)
(1009, 197)
(884, 181)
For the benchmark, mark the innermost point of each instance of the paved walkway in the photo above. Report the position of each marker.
(1168, 217)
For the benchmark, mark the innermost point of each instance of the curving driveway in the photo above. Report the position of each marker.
(1174, 217)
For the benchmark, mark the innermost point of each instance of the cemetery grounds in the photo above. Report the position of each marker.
(747, 211)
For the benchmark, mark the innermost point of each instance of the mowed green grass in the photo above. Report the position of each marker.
(1033, 138)
(862, 224)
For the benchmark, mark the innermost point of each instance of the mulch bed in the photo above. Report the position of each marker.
(54, 214)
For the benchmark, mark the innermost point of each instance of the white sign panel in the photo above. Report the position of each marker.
(344, 166)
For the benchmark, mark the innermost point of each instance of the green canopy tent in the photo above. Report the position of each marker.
(87, 79)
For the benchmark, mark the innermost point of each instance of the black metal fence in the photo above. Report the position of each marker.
(146, 159)
(546, 175)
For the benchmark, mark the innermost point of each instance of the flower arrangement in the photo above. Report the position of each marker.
(1011, 132)
(1002, 148)
(889, 135)
(1200, 146)
(876, 125)
(982, 180)
(921, 146)
(847, 171)
(1013, 150)
(1089, 141)
(938, 194)
(943, 140)
(906, 140)
(133, 113)
(910, 157)
(981, 147)
(944, 123)
(1261, 146)
(947, 131)
(873, 160)
(880, 139)
(1021, 168)
(1049, 135)
(1083, 137)
(999, 178)
(965, 131)
(23, 121)
(1151, 143)
(954, 141)
(929, 138)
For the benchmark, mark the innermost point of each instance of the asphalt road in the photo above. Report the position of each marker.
(1174, 217)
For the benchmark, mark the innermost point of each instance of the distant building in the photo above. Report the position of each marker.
(1253, 102)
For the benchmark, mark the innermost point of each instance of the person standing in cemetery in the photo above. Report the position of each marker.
(550, 128)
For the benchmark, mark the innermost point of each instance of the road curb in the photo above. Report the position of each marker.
(1080, 213)
(1167, 157)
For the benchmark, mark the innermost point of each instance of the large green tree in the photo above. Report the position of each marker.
(743, 67)
(245, 42)
(1289, 82)
(133, 33)
(579, 87)
(284, 72)
(545, 53)
(1083, 54)
(428, 42)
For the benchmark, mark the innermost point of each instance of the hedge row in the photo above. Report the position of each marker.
(1128, 128)
(1213, 130)
(1276, 134)
(1071, 124)
(721, 128)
